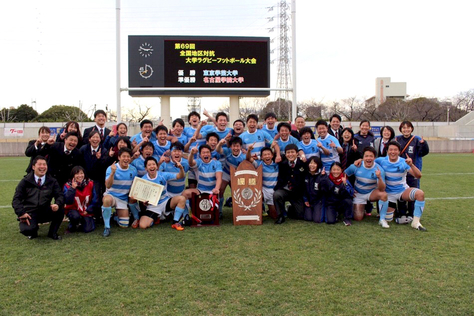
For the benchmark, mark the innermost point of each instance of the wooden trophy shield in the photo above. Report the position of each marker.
(204, 211)
(247, 194)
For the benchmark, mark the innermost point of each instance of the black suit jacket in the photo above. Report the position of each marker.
(60, 164)
(29, 197)
(87, 131)
(294, 175)
(32, 152)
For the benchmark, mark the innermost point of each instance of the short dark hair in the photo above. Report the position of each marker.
(305, 130)
(150, 158)
(204, 146)
(161, 128)
(125, 139)
(270, 114)
(219, 114)
(44, 129)
(336, 116)
(193, 113)
(299, 116)
(125, 150)
(234, 140)
(39, 157)
(252, 116)
(390, 129)
(394, 143)
(371, 149)
(212, 134)
(283, 124)
(291, 147)
(364, 121)
(266, 149)
(147, 144)
(75, 170)
(321, 122)
(99, 112)
(316, 159)
(143, 122)
(239, 120)
(122, 123)
(92, 133)
(407, 123)
(75, 134)
(348, 129)
(177, 145)
(178, 121)
(336, 163)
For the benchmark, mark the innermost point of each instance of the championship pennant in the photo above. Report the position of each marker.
(247, 194)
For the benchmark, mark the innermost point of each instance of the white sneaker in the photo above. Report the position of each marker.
(419, 227)
(409, 219)
(383, 223)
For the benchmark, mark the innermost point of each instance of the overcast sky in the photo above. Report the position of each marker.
(63, 52)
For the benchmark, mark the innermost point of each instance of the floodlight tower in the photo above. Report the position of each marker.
(284, 58)
(194, 104)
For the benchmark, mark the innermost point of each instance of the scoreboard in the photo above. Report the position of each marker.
(187, 62)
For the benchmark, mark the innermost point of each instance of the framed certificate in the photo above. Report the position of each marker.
(146, 191)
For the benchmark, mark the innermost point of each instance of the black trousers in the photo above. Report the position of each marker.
(296, 210)
(75, 219)
(314, 212)
(42, 215)
(338, 207)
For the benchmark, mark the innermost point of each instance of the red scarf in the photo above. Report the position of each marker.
(337, 180)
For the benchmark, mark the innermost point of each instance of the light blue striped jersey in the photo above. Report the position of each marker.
(333, 156)
(189, 132)
(271, 132)
(138, 138)
(175, 187)
(365, 179)
(123, 179)
(310, 149)
(282, 144)
(395, 174)
(162, 178)
(139, 164)
(207, 174)
(259, 137)
(183, 139)
(160, 150)
(270, 173)
(231, 160)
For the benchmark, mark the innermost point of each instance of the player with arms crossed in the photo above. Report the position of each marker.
(396, 170)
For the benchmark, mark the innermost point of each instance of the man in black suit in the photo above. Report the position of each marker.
(32, 201)
(34, 146)
(290, 186)
(62, 157)
(335, 128)
(100, 117)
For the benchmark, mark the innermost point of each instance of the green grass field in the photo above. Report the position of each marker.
(297, 268)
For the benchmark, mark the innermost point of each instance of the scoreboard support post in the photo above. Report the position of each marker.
(234, 111)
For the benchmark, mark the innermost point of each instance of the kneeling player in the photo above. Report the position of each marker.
(396, 169)
(118, 181)
(369, 186)
(166, 205)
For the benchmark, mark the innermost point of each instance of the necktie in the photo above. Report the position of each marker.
(101, 133)
(39, 181)
(67, 152)
(93, 152)
(292, 164)
(344, 156)
(336, 135)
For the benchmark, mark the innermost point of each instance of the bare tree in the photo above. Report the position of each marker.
(7, 115)
(311, 109)
(393, 110)
(138, 113)
(464, 100)
(352, 108)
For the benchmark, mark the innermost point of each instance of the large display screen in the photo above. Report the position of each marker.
(199, 62)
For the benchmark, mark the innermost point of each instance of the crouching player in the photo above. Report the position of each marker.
(269, 176)
(208, 170)
(118, 181)
(396, 169)
(166, 204)
(369, 186)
